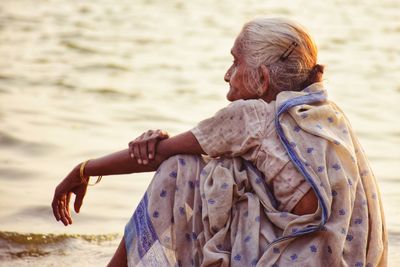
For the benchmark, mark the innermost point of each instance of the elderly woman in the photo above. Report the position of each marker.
(286, 181)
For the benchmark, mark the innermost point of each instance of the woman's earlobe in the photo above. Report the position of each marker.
(264, 77)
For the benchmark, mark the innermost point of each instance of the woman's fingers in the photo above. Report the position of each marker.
(152, 143)
(143, 152)
(163, 134)
(140, 148)
(54, 206)
(151, 148)
(61, 209)
(130, 149)
(64, 210)
(143, 148)
(136, 152)
(146, 146)
(68, 212)
(80, 194)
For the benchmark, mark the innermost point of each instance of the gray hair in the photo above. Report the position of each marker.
(264, 40)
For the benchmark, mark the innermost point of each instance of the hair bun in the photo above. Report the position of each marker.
(318, 68)
(314, 76)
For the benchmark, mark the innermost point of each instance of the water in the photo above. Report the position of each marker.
(81, 79)
(56, 250)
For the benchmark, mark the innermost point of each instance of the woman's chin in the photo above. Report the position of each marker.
(230, 96)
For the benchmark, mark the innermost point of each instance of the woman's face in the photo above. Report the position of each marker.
(237, 76)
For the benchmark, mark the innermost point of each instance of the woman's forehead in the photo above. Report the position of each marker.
(236, 49)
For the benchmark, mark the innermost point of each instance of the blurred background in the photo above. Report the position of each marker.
(80, 79)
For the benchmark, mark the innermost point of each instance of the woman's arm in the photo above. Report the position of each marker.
(122, 163)
(116, 163)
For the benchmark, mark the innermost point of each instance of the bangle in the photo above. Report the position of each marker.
(85, 179)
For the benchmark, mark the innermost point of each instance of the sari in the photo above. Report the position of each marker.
(220, 211)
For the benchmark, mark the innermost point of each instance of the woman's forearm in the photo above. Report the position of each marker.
(119, 163)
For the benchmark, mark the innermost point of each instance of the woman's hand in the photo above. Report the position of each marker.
(143, 148)
(71, 184)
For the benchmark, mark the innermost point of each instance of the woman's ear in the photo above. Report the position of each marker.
(264, 78)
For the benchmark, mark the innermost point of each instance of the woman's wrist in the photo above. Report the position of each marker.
(83, 174)
(76, 176)
(77, 173)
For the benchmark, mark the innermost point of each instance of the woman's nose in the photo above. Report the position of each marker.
(227, 76)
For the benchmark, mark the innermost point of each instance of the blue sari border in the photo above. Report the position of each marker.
(140, 229)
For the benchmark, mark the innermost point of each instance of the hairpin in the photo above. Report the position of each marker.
(288, 51)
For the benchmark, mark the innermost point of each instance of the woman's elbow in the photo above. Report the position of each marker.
(307, 205)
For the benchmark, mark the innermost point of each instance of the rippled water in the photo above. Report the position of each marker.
(81, 79)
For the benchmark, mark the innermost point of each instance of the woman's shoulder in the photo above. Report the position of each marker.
(256, 104)
(240, 112)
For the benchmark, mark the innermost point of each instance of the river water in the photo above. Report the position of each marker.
(80, 79)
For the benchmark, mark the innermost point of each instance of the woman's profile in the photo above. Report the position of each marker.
(285, 180)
